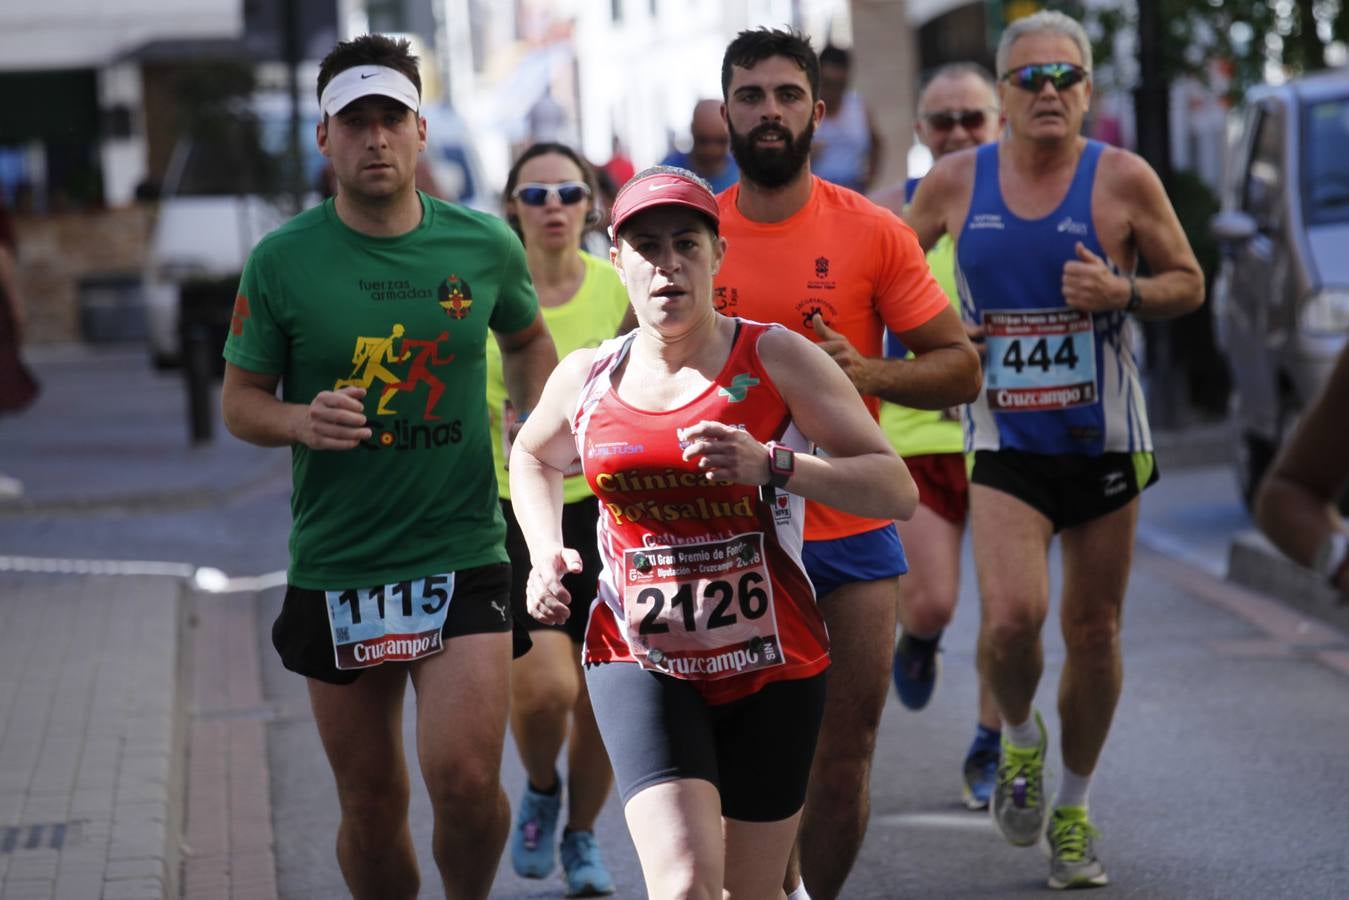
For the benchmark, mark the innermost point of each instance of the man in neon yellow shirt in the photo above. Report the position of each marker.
(957, 110)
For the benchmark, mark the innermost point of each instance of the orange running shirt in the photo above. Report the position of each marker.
(842, 256)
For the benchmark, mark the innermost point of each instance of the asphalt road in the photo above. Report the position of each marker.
(1224, 775)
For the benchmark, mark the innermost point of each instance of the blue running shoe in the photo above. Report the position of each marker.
(582, 866)
(532, 836)
(981, 775)
(915, 670)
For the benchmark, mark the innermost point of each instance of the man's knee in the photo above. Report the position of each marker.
(374, 806)
(1093, 638)
(1009, 620)
(550, 698)
(462, 784)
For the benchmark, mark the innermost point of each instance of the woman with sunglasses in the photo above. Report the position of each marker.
(705, 652)
(550, 201)
(1049, 230)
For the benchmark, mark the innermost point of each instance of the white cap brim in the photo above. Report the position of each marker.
(352, 84)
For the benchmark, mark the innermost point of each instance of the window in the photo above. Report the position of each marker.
(1260, 193)
(1325, 167)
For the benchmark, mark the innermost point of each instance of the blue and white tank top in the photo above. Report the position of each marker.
(1056, 380)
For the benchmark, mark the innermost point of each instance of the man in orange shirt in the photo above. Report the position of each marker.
(830, 264)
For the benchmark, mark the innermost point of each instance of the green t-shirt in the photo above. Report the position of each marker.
(918, 432)
(591, 316)
(407, 318)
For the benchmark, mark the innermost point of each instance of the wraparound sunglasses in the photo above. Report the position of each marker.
(1033, 78)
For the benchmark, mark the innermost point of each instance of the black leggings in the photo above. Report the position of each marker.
(757, 750)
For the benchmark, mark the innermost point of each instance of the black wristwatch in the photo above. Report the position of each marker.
(781, 464)
(1135, 298)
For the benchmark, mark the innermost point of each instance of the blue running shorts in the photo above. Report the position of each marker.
(869, 556)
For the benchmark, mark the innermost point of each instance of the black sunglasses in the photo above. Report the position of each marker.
(1033, 78)
(946, 119)
(536, 194)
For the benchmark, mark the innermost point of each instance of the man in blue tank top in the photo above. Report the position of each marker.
(1049, 228)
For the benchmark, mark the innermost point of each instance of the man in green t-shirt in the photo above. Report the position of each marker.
(363, 310)
(957, 110)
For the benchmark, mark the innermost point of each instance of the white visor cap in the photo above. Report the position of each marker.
(362, 81)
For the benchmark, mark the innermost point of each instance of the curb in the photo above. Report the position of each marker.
(1255, 563)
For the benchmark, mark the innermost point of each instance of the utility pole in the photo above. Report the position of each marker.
(1152, 116)
(290, 52)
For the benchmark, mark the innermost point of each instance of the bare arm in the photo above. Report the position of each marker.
(932, 212)
(334, 420)
(1295, 506)
(861, 474)
(542, 450)
(527, 357)
(944, 371)
(1176, 285)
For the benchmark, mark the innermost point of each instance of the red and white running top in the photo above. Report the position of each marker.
(701, 580)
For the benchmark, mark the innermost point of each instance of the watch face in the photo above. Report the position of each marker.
(783, 459)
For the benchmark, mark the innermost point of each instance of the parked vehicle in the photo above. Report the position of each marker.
(1281, 294)
(220, 197)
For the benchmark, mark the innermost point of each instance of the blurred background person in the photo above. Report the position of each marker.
(710, 155)
(550, 195)
(847, 147)
(957, 109)
(1296, 504)
(18, 387)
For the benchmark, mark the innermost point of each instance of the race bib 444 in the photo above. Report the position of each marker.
(1039, 359)
(397, 622)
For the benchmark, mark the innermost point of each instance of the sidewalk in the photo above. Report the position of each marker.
(131, 763)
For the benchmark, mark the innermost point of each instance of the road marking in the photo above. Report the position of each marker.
(966, 821)
(203, 578)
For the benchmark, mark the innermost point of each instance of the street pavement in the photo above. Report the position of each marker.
(152, 746)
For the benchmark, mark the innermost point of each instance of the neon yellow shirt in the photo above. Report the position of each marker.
(588, 318)
(918, 432)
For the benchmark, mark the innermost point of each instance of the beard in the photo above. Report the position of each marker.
(771, 167)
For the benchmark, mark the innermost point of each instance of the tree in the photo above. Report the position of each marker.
(1248, 35)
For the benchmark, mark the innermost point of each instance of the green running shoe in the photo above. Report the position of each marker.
(1072, 852)
(1018, 799)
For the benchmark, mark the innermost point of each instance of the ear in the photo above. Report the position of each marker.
(593, 217)
(720, 255)
(321, 134)
(819, 112)
(613, 261)
(421, 132)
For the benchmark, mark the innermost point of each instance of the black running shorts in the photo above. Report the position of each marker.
(756, 751)
(303, 637)
(578, 532)
(1067, 489)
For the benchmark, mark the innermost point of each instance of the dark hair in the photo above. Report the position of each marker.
(753, 46)
(835, 56)
(545, 148)
(370, 50)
